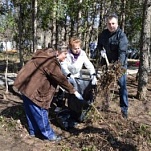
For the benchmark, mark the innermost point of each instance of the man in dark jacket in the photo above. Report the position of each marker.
(113, 43)
(37, 82)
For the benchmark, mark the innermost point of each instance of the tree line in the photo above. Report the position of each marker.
(34, 23)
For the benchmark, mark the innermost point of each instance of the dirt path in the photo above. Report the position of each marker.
(107, 132)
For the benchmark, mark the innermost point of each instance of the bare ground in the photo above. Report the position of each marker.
(102, 131)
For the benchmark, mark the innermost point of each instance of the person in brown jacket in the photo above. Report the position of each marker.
(37, 82)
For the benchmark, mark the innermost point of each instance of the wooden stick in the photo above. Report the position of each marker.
(106, 59)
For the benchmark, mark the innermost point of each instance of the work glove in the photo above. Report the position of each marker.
(103, 53)
(78, 95)
(93, 79)
(71, 79)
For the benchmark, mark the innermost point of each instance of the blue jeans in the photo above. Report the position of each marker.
(123, 94)
(37, 119)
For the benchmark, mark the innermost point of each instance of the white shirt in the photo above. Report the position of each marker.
(74, 66)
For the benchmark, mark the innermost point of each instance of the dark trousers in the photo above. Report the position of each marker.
(123, 94)
(37, 119)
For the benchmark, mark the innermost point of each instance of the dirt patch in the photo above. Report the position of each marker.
(102, 131)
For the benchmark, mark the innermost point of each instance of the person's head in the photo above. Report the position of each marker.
(61, 49)
(112, 22)
(49, 45)
(75, 45)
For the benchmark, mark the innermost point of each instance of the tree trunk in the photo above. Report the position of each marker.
(123, 14)
(144, 53)
(6, 72)
(54, 22)
(150, 44)
(79, 20)
(34, 21)
(20, 36)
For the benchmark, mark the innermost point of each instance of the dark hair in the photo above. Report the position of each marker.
(61, 46)
(113, 15)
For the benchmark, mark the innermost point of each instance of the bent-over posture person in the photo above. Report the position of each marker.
(37, 82)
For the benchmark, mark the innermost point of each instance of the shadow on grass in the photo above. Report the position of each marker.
(102, 136)
(104, 139)
(15, 112)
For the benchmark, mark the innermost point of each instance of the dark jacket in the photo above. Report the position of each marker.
(115, 44)
(39, 78)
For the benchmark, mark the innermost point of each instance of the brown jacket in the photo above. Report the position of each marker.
(39, 78)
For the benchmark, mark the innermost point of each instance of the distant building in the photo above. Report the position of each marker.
(6, 46)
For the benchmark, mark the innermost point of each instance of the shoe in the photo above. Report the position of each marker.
(55, 138)
(124, 114)
(31, 135)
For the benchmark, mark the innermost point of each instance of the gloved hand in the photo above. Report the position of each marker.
(103, 53)
(78, 95)
(94, 79)
(71, 79)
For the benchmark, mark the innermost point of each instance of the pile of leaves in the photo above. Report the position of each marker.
(109, 78)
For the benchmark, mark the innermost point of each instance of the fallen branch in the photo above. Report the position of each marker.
(101, 117)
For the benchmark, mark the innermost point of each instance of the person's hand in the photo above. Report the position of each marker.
(103, 53)
(78, 95)
(94, 79)
(71, 79)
